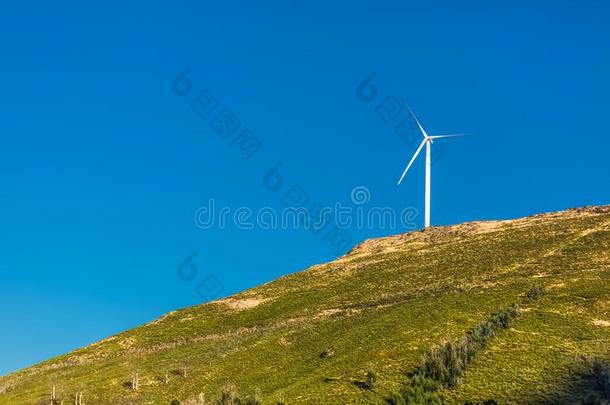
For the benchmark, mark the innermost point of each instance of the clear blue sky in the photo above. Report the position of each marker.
(103, 166)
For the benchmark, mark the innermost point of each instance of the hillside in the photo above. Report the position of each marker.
(311, 337)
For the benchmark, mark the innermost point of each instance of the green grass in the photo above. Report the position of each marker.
(379, 308)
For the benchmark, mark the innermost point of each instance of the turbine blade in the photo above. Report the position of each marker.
(423, 131)
(445, 136)
(421, 145)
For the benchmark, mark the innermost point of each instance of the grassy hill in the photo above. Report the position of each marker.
(312, 336)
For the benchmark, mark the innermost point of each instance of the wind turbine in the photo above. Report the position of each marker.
(428, 139)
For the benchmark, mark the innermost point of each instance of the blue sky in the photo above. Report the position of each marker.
(103, 166)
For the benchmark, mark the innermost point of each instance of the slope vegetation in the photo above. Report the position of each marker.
(312, 337)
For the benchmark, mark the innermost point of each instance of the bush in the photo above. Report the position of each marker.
(228, 396)
(601, 373)
(395, 399)
(369, 382)
(593, 399)
(535, 292)
(421, 390)
(444, 366)
(447, 364)
(327, 352)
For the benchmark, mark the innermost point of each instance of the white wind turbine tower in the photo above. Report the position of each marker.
(428, 139)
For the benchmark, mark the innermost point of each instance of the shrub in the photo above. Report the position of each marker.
(369, 382)
(420, 390)
(443, 367)
(434, 366)
(446, 364)
(453, 363)
(395, 399)
(327, 352)
(228, 396)
(593, 399)
(601, 373)
(535, 292)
